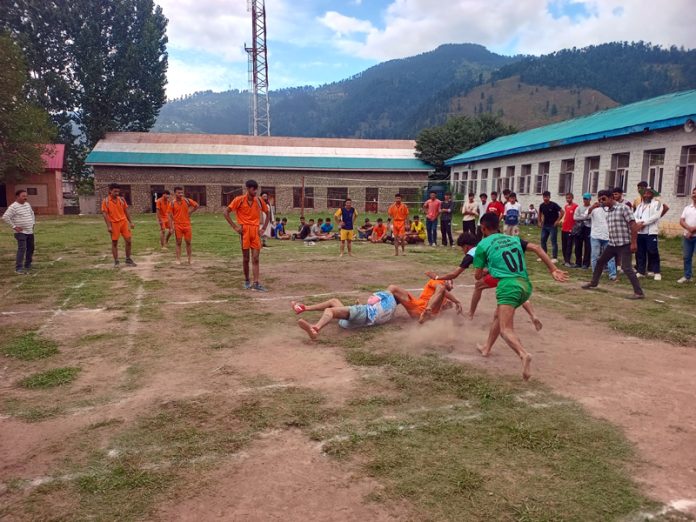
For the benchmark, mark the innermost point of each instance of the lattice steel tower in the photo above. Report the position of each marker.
(259, 108)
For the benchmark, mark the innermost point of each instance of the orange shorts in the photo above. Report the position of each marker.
(183, 231)
(399, 228)
(250, 237)
(416, 306)
(120, 228)
(164, 224)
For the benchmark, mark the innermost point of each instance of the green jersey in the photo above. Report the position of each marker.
(503, 256)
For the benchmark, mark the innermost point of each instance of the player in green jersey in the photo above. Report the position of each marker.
(503, 257)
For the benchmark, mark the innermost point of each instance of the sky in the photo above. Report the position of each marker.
(313, 42)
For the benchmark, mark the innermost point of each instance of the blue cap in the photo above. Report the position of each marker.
(587, 195)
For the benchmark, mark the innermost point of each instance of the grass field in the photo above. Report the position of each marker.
(153, 393)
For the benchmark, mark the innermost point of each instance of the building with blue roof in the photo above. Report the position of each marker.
(212, 169)
(652, 140)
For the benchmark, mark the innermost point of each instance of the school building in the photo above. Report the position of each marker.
(212, 169)
(653, 140)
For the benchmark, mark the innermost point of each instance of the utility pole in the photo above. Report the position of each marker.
(259, 107)
(302, 204)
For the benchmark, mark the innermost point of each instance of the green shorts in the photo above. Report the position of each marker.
(513, 291)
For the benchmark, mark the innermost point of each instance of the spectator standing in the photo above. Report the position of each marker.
(688, 223)
(482, 209)
(647, 216)
(623, 232)
(532, 216)
(446, 209)
(599, 239)
(470, 211)
(346, 216)
(20, 216)
(567, 239)
(496, 206)
(550, 216)
(513, 209)
(432, 212)
(583, 247)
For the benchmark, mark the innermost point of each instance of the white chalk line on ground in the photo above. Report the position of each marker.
(60, 309)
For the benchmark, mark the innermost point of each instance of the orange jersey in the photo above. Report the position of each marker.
(115, 208)
(379, 231)
(163, 206)
(429, 289)
(180, 211)
(398, 213)
(248, 213)
(416, 305)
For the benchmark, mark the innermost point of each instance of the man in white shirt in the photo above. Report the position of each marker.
(20, 216)
(470, 211)
(647, 215)
(599, 239)
(511, 218)
(482, 209)
(688, 223)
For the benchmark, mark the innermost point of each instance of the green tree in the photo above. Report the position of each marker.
(96, 66)
(459, 134)
(24, 126)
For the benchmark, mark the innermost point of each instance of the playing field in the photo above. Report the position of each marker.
(168, 392)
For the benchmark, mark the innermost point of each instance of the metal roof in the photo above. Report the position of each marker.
(53, 156)
(666, 111)
(158, 159)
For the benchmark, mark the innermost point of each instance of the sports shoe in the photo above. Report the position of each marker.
(682, 280)
(636, 297)
(19, 272)
(247, 285)
(567, 265)
(258, 287)
(130, 262)
(639, 275)
(588, 286)
(554, 261)
(658, 277)
(650, 274)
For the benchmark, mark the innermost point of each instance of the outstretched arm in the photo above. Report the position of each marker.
(558, 274)
(452, 275)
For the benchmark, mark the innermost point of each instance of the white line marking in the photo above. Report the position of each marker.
(60, 309)
(64, 312)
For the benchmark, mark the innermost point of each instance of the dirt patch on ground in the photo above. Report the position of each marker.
(283, 476)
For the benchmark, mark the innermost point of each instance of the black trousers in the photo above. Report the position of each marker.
(25, 250)
(469, 226)
(583, 248)
(446, 231)
(624, 254)
(648, 254)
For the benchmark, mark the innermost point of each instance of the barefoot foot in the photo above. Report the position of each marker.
(526, 367)
(483, 349)
(311, 330)
(537, 324)
(297, 307)
(425, 315)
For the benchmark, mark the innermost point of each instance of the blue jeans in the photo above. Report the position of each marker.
(598, 246)
(689, 246)
(25, 250)
(546, 231)
(431, 227)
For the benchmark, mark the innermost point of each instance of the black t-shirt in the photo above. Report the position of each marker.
(551, 211)
(304, 231)
(446, 205)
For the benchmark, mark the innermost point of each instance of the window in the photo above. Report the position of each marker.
(32, 191)
(196, 193)
(565, 178)
(335, 196)
(371, 199)
(525, 182)
(464, 182)
(228, 194)
(618, 175)
(684, 178)
(590, 180)
(126, 193)
(308, 197)
(541, 182)
(484, 181)
(473, 182)
(653, 168)
(509, 182)
(495, 183)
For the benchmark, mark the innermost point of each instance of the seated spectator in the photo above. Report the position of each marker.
(389, 236)
(532, 217)
(303, 230)
(379, 232)
(365, 231)
(416, 232)
(327, 227)
(280, 232)
(275, 226)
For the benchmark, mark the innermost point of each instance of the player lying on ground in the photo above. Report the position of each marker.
(379, 309)
(435, 297)
(467, 242)
(503, 257)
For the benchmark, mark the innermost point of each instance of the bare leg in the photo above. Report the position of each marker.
(403, 246)
(532, 315)
(188, 250)
(114, 249)
(434, 303)
(162, 237)
(178, 250)
(331, 303)
(396, 245)
(343, 246)
(329, 314)
(245, 263)
(493, 334)
(399, 293)
(506, 315)
(129, 246)
(166, 241)
(479, 287)
(255, 268)
(350, 248)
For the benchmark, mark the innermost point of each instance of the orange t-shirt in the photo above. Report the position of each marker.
(114, 208)
(379, 230)
(398, 212)
(248, 213)
(429, 290)
(180, 211)
(163, 206)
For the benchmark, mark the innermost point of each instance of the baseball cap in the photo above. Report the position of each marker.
(587, 195)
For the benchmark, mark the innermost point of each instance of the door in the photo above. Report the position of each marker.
(3, 196)
(155, 192)
(371, 200)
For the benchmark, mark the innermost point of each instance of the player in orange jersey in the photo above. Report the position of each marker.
(162, 205)
(435, 296)
(249, 208)
(398, 213)
(118, 222)
(180, 211)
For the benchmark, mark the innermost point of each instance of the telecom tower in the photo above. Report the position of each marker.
(259, 109)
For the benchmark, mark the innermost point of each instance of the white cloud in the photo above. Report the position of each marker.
(414, 26)
(345, 25)
(186, 78)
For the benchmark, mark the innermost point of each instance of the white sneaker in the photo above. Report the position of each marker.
(554, 261)
(682, 280)
(658, 277)
(651, 274)
(639, 275)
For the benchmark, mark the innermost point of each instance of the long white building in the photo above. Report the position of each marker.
(652, 140)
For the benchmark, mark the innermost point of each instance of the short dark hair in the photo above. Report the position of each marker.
(643, 184)
(285, 219)
(379, 220)
(415, 217)
(483, 195)
(264, 192)
(471, 195)
(328, 219)
(570, 194)
(490, 221)
(319, 219)
(347, 200)
(493, 192)
(506, 192)
(367, 220)
(167, 193)
(512, 195)
(546, 194)
(18, 192)
(251, 184)
(397, 195)
(466, 238)
(448, 193)
(114, 186)
(618, 190)
(177, 188)
(604, 193)
(433, 192)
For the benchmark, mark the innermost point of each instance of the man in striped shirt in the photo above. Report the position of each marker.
(20, 216)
